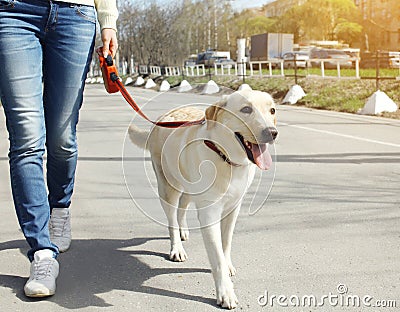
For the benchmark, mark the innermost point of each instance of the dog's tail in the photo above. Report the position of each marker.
(138, 136)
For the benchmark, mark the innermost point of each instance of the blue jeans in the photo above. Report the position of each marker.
(45, 52)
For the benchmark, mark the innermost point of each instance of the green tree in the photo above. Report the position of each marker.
(248, 23)
(167, 33)
(290, 23)
(321, 20)
(259, 24)
(321, 17)
(348, 32)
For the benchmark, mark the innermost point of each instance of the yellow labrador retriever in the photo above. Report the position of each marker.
(212, 166)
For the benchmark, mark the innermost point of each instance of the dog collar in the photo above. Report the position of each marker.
(214, 148)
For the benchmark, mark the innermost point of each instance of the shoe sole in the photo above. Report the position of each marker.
(39, 295)
(62, 250)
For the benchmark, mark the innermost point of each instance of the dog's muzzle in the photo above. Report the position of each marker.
(256, 152)
(269, 135)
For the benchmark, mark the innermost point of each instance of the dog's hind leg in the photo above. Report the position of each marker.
(227, 226)
(169, 201)
(169, 198)
(184, 201)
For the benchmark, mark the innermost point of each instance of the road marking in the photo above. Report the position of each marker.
(342, 115)
(342, 135)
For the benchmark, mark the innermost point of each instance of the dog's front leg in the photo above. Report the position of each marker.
(211, 231)
(227, 226)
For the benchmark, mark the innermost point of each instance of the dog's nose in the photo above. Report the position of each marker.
(270, 134)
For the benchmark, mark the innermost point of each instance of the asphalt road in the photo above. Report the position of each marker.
(332, 217)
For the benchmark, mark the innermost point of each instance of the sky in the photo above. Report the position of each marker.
(244, 4)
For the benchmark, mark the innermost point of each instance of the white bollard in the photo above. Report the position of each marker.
(128, 81)
(378, 103)
(245, 86)
(165, 86)
(184, 86)
(150, 84)
(210, 88)
(139, 82)
(295, 94)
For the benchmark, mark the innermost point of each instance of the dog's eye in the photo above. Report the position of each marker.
(246, 110)
(272, 111)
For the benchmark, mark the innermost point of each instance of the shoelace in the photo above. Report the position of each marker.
(57, 224)
(42, 269)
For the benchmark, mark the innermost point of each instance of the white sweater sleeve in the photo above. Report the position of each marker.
(107, 13)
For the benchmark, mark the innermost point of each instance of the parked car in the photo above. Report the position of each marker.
(190, 63)
(301, 59)
(225, 63)
(354, 54)
(331, 58)
(394, 61)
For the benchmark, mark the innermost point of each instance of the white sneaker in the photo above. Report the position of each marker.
(60, 228)
(44, 271)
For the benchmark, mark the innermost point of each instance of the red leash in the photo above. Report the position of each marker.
(113, 84)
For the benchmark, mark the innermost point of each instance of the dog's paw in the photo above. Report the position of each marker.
(178, 254)
(232, 270)
(227, 299)
(184, 234)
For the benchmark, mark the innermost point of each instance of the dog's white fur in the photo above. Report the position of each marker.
(188, 171)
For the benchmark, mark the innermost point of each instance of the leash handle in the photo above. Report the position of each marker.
(109, 72)
(113, 84)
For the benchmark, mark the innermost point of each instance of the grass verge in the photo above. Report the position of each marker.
(342, 95)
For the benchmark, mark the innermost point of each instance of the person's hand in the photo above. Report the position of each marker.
(110, 42)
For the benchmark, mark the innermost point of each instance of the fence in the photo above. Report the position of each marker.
(226, 69)
(143, 70)
(272, 68)
(172, 71)
(196, 70)
(155, 70)
(393, 62)
(337, 64)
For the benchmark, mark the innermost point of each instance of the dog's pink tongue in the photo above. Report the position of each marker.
(261, 156)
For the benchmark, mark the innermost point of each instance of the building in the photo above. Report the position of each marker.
(380, 21)
(381, 24)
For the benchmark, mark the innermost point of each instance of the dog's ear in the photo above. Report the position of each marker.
(213, 110)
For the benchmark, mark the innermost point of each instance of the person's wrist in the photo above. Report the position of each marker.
(109, 28)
